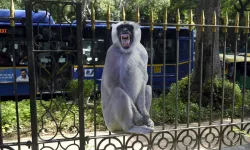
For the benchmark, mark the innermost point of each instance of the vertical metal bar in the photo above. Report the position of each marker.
(223, 74)
(223, 86)
(1, 124)
(108, 32)
(245, 72)
(151, 47)
(80, 74)
(202, 29)
(234, 78)
(31, 72)
(189, 72)
(12, 24)
(177, 74)
(151, 58)
(244, 84)
(164, 80)
(152, 52)
(15, 85)
(164, 68)
(189, 65)
(93, 42)
(177, 78)
(236, 31)
(212, 69)
(212, 72)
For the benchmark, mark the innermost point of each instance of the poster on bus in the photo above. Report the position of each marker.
(7, 74)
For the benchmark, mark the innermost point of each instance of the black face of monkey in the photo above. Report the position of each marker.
(125, 34)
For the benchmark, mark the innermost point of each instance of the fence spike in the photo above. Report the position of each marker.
(108, 17)
(191, 21)
(138, 15)
(12, 13)
(225, 22)
(247, 23)
(151, 20)
(236, 30)
(178, 20)
(123, 14)
(165, 19)
(214, 22)
(93, 17)
(202, 21)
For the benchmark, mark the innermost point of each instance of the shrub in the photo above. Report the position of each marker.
(53, 115)
(246, 104)
(88, 88)
(194, 109)
(170, 111)
(217, 93)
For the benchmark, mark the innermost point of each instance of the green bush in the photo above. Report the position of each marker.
(88, 88)
(171, 113)
(53, 115)
(217, 93)
(60, 113)
(246, 104)
(194, 109)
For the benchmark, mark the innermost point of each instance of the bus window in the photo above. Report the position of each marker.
(4, 59)
(158, 51)
(146, 44)
(6, 51)
(86, 51)
(100, 52)
(170, 49)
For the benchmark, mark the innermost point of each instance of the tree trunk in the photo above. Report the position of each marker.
(210, 50)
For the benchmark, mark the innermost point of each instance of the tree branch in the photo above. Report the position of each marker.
(236, 8)
(245, 5)
(241, 3)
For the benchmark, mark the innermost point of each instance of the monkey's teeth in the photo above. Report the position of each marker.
(125, 42)
(125, 39)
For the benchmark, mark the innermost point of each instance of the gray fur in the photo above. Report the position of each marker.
(126, 98)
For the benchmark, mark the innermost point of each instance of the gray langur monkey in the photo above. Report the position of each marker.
(126, 99)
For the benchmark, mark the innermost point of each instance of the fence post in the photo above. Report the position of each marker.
(31, 72)
(80, 74)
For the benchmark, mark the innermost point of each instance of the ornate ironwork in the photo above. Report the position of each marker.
(53, 51)
(56, 49)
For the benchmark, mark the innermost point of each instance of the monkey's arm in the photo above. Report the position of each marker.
(110, 76)
(140, 103)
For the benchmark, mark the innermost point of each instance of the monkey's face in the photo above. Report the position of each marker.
(125, 34)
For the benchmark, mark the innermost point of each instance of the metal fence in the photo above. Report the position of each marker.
(222, 128)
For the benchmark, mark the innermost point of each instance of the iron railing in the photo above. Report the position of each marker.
(211, 134)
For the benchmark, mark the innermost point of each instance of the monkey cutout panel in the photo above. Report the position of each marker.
(126, 99)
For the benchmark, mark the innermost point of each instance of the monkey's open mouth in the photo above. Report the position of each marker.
(125, 40)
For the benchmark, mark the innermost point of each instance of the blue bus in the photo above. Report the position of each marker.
(47, 35)
(102, 43)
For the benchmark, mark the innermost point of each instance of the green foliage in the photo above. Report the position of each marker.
(246, 104)
(130, 5)
(196, 110)
(53, 115)
(206, 95)
(88, 88)
(217, 93)
(59, 114)
(5, 4)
